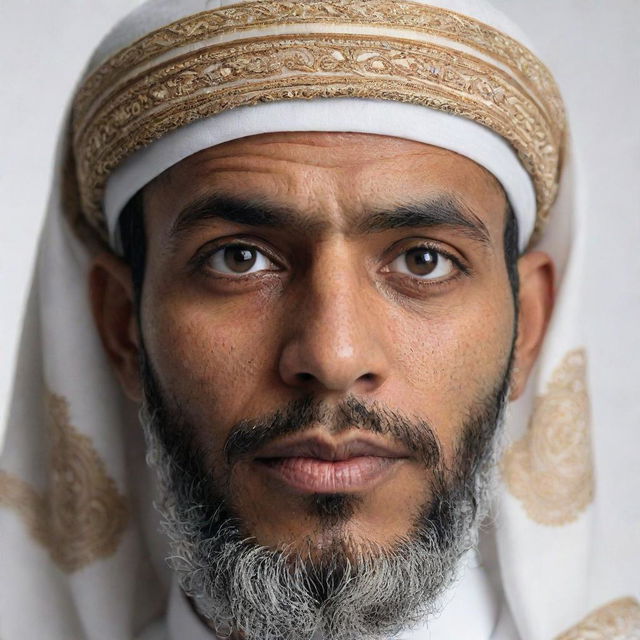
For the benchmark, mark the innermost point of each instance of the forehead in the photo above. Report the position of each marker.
(328, 174)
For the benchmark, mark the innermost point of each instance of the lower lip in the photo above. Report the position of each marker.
(312, 475)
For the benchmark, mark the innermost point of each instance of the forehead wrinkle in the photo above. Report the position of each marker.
(282, 149)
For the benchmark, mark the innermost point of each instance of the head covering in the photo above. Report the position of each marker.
(80, 548)
(399, 56)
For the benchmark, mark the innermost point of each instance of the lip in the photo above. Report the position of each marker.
(319, 464)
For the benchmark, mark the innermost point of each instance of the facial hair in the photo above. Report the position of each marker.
(347, 590)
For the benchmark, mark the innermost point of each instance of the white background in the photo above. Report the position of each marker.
(593, 48)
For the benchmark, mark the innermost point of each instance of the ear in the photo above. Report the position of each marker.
(537, 274)
(112, 303)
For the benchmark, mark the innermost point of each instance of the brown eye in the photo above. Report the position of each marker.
(423, 263)
(239, 259)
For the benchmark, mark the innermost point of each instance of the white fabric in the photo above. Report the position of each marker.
(106, 600)
(546, 573)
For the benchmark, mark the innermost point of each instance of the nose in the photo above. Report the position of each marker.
(335, 335)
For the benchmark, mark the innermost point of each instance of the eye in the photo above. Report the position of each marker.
(424, 263)
(239, 259)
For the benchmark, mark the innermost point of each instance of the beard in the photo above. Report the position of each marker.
(344, 589)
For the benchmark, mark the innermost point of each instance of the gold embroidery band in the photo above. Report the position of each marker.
(177, 75)
(236, 18)
(618, 620)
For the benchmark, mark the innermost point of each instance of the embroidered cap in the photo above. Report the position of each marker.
(397, 68)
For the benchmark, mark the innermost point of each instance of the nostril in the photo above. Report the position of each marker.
(304, 377)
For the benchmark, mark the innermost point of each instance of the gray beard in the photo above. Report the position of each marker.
(346, 591)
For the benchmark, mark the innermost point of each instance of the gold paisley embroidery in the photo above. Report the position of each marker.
(82, 517)
(153, 87)
(618, 620)
(550, 469)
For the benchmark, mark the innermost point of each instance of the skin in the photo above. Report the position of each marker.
(333, 315)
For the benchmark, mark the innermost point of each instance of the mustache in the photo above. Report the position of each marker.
(301, 414)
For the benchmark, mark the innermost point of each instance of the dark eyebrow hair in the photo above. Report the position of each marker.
(256, 212)
(442, 211)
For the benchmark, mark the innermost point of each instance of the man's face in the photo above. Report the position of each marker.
(327, 268)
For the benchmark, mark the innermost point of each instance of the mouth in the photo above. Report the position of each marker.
(318, 464)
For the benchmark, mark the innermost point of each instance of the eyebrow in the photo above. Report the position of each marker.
(255, 212)
(443, 211)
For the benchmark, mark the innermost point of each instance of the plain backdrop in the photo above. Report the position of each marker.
(593, 48)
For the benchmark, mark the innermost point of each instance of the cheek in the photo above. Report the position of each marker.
(211, 357)
(452, 359)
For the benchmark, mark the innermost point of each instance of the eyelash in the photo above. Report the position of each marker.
(199, 261)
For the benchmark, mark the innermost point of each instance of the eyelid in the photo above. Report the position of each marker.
(211, 248)
(407, 244)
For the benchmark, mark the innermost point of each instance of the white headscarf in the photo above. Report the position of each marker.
(81, 557)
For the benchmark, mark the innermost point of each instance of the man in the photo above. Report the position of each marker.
(312, 236)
